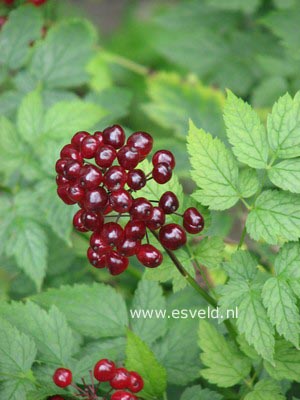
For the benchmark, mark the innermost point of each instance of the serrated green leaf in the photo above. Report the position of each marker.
(59, 61)
(232, 294)
(283, 312)
(50, 332)
(248, 182)
(286, 175)
(141, 359)
(24, 25)
(225, 366)
(275, 217)
(197, 393)
(16, 389)
(31, 117)
(288, 260)
(245, 132)
(243, 266)
(215, 170)
(148, 296)
(95, 311)
(247, 348)
(210, 251)
(283, 127)
(266, 389)
(45, 392)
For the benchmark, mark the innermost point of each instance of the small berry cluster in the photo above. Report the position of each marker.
(106, 189)
(124, 383)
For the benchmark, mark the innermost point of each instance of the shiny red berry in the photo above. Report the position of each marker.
(104, 370)
(121, 379)
(164, 156)
(136, 382)
(112, 233)
(76, 192)
(61, 180)
(122, 395)
(60, 165)
(70, 152)
(169, 202)
(115, 178)
(72, 169)
(62, 377)
(172, 236)
(193, 221)
(114, 136)
(78, 138)
(141, 141)
(94, 258)
(128, 157)
(98, 243)
(116, 264)
(135, 230)
(162, 173)
(120, 200)
(105, 156)
(78, 222)
(128, 247)
(89, 146)
(96, 199)
(141, 209)
(149, 256)
(157, 218)
(99, 136)
(92, 221)
(90, 177)
(62, 192)
(136, 179)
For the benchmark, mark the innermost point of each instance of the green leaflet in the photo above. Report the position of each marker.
(286, 175)
(197, 393)
(266, 389)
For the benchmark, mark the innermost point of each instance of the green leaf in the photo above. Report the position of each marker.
(283, 312)
(45, 392)
(288, 260)
(275, 217)
(266, 389)
(197, 393)
(95, 311)
(248, 182)
(286, 175)
(242, 266)
(215, 170)
(52, 336)
(148, 296)
(210, 251)
(235, 5)
(9, 102)
(16, 389)
(284, 127)
(141, 359)
(245, 132)
(225, 366)
(31, 117)
(60, 60)
(269, 89)
(23, 26)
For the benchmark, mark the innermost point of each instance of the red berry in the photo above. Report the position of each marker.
(112, 233)
(104, 370)
(141, 209)
(61, 180)
(99, 136)
(122, 395)
(9, 2)
(98, 243)
(128, 247)
(149, 256)
(115, 178)
(136, 179)
(62, 377)
(90, 177)
(56, 398)
(38, 3)
(105, 156)
(169, 202)
(76, 192)
(114, 136)
(128, 157)
(120, 200)
(172, 236)
(193, 221)
(93, 257)
(92, 221)
(121, 379)
(60, 165)
(116, 264)
(78, 223)
(162, 173)
(136, 382)
(62, 192)
(164, 156)
(157, 218)
(135, 230)
(78, 138)
(96, 199)
(141, 141)
(89, 146)
(69, 152)
(72, 170)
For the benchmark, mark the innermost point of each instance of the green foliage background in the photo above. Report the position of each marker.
(155, 72)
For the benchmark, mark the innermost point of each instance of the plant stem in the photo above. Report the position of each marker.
(128, 64)
(165, 396)
(242, 238)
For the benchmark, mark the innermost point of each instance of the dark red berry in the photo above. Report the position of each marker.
(162, 173)
(98, 243)
(78, 138)
(114, 136)
(92, 221)
(121, 379)
(164, 156)
(149, 256)
(128, 247)
(93, 256)
(122, 395)
(61, 180)
(116, 264)
(104, 370)
(115, 178)
(136, 382)
(136, 179)
(72, 170)
(38, 3)
(120, 200)
(96, 199)
(128, 157)
(157, 218)
(99, 136)
(60, 165)
(141, 209)
(193, 221)
(71, 153)
(135, 230)
(56, 398)
(141, 141)
(76, 192)
(89, 146)
(172, 236)
(9, 2)
(90, 177)
(62, 377)
(169, 202)
(62, 192)
(78, 223)
(105, 156)
(112, 233)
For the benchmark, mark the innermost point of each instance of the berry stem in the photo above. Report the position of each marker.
(242, 238)
(126, 63)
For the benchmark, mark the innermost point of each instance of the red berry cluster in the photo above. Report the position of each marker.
(106, 189)
(37, 3)
(124, 383)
